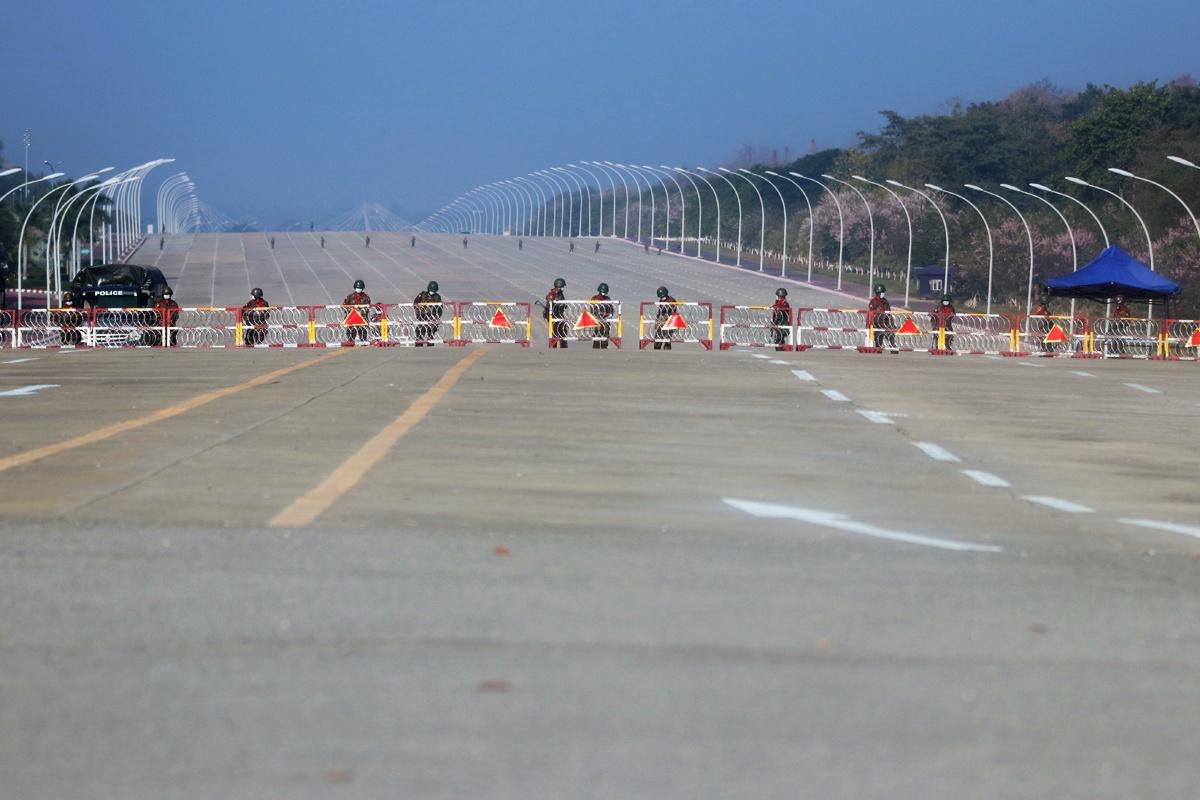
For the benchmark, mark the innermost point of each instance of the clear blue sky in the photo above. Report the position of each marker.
(305, 109)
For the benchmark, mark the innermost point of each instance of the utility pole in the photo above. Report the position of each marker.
(27, 138)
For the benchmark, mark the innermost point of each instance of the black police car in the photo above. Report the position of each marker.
(124, 295)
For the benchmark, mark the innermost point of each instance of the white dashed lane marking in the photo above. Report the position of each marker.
(803, 375)
(1139, 387)
(1057, 503)
(1082, 374)
(832, 519)
(936, 452)
(759, 355)
(986, 478)
(1173, 527)
(25, 391)
(876, 417)
(777, 361)
(20, 360)
(835, 395)
(1029, 364)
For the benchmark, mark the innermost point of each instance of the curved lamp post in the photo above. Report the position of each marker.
(908, 220)
(1126, 203)
(1127, 174)
(716, 205)
(687, 176)
(762, 211)
(733, 189)
(812, 226)
(945, 227)
(1028, 235)
(783, 205)
(987, 229)
(841, 225)
(870, 219)
(682, 206)
(1103, 233)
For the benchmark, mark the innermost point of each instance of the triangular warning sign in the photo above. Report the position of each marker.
(354, 318)
(674, 323)
(909, 327)
(499, 320)
(1195, 340)
(1056, 335)
(586, 320)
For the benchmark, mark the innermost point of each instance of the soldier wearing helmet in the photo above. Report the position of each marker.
(664, 308)
(602, 310)
(427, 307)
(943, 315)
(168, 318)
(781, 319)
(552, 312)
(361, 301)
(254, 316)
(879, 318)
(1122, 311)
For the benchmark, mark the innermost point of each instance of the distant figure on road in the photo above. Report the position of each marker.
(161, 240)
(168, 317)
(464, 243)
(879, 320)
(552, 312)
(602, 311)
(572, 245)
(520, 244)
(322, 242)
(665, 307)
(1122, 311)
(368, 242)
(428, 308)
(254, 317)
(412, 242)
(646, 247)
(597, 250)
(943, 315)
(358, 297)
(781, 318)
(272, 242)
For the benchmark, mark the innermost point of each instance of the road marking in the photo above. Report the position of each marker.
(936, 452)
(1082, 374)
(20, 360)
(1141, 388)
(877, 417)
(996, 358)
(759, 355)
(25, 391)
(835, 395)
(986, 478)
(777, 361)
(803, 375)
(1173, 527)
(350, 472)
(1029, 364)
(1057, 503)
(108, 431)
(832, 519)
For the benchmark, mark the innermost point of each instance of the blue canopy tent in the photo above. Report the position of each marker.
(1113, 272)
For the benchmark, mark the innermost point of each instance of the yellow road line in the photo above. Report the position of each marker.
(308, 507)
(108, 431)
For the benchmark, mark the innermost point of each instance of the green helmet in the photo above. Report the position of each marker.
(945, 299)
(256, 292)
(432, 287)
(559, 283)
(781, 292)
(880, 288)
(662, 291)
(602, 288)
(359, 285)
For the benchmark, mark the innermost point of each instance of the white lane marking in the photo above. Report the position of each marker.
(832, 519)
(759, 355)
(877, 417)
(1030, 364)
(1173, 527)
(1082, 374)
(777, 361)
(802, 375)
(1141, 388)
(936, 452)
(20, 360)
(996, 358)
(835, 395)
(25, 391)
(1057, 503)
(986, 478)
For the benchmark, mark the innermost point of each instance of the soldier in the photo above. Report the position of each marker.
(412, 242)
(520, 244)
(1122, 311)
(362, 301)
(427, 307)
(572, 245)
(943, 315)
(322, 242)
(272, 242)
(781, 319)
(368, 242)
(168, 318)
(69, 320)
(603, 312)
(879, 320)
(464, 243)
(665, 308)
(551, 311)
(256, 318)
(1043, 309)
(597, 250)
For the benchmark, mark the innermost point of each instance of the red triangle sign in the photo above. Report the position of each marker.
(354, 318)
(1056, 335)
(909, 327)
(1195, 340)
(586, 320)
(674, 323)
(499, 320)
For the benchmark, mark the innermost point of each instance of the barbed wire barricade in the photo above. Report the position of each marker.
(204, 327)
(348, 326)
(274, 326)
(756, 326)
(8, 328)
(420, 324)
(982, 334)
(665, 324)
(1051, 336)
(493, 322)
(1181, 340)
(585, 321)
(1125, 338)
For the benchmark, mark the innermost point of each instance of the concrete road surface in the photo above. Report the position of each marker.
(516, 573)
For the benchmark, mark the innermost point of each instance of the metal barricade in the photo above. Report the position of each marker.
(1181, 340)
(1125, 337)
(1052, 336)
(204, 327)
(831, 329)
(347, 326)
(493, 322)
(664, 324)
(8, 328)
(419, 324)
(123, 327)
(756, 326)
(981, 334)
(274, 326)
(597, 321)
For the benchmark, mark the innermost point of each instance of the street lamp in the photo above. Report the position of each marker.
(783, 205)
(650, 189)
(870, 219)
(612, 186)
(687, 176)
(1142, 222)
(987, 229)
(739, 205)
(15, 189)
(1070, 233)
(1127, 174)
(716, 205)
(812, 227)
(604, 165)
(541, 209)
(841, 226)
(600, 197)
(945, 228)
(621, 173)
(637, 185)
(908, 220)
(762, 211)
(579, 187)
(1028, 235)
(22, 259)
(1103, 233)
(682, 206)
